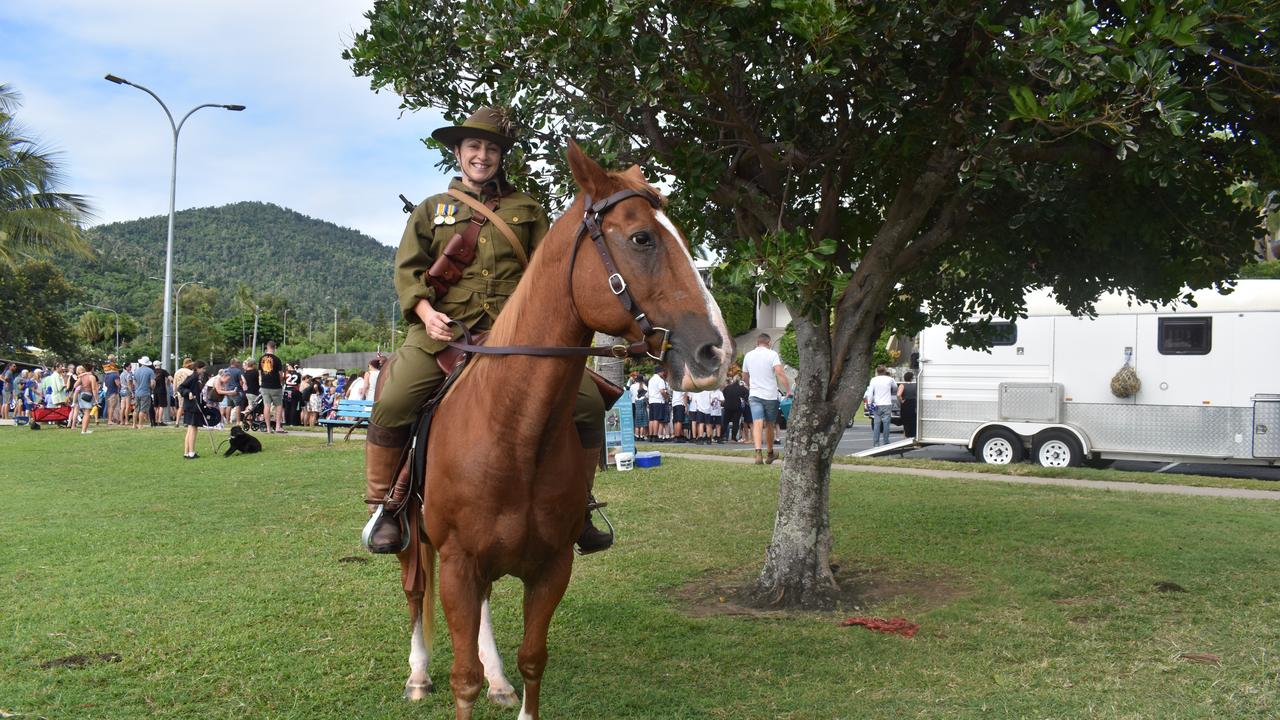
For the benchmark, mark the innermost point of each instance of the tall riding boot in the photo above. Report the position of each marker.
(592, 539)
(386, 532)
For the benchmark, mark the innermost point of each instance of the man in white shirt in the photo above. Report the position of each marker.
(879, 400)
(766, 383)
(679, 411)
(658, 407)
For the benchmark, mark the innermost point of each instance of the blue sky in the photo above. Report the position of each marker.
(314, 138)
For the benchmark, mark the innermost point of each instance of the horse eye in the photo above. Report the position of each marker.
(642, 238)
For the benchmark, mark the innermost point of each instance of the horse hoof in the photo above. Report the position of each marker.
(505, 698)
(415, 691)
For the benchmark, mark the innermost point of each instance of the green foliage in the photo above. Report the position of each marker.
(966, 150)
(35, 218)
(737, 305)
(787, 349)
(1267, 269)
(31, 295)
(281, 259)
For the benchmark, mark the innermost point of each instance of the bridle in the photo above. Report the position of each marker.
(617, 285)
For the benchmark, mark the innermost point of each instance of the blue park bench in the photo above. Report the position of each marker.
(350, 412)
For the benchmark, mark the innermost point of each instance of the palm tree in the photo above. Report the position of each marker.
(35, 219)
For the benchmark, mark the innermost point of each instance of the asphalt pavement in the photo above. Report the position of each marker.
(858, 438)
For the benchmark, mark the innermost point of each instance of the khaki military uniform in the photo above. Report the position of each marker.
(475, 300)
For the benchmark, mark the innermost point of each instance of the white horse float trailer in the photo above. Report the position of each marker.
(1210, 388)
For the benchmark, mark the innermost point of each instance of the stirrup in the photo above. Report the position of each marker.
(376, 520)
(612, 533)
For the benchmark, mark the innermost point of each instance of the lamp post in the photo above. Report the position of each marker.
(173, 189)
(335, 333)
(176, 295)
(99, 307)
(285, 340)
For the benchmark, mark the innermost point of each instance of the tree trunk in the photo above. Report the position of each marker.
(797, 569)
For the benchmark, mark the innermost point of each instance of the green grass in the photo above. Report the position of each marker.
(1023, 469)
(219, 584)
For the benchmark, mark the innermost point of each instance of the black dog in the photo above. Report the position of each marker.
(242, 441)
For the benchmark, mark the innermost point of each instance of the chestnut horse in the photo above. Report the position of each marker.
(506, 479)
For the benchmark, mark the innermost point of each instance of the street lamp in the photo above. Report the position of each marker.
(335, 334)
(395, 308)
(99, 307)
(177, 354)
(285, 339)
(173, 189)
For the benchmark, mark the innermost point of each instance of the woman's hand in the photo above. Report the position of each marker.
(436, 323)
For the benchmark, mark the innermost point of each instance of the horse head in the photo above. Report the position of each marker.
(660, 294)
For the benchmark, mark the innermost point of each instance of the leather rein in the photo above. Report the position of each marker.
(617, 285)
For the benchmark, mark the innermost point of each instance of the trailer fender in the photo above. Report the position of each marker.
(1028, 432)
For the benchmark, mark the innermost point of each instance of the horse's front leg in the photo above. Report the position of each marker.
(461, 594)
(541, 596)
(500, 689)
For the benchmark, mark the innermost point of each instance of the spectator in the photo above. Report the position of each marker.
(144, 386)
(53, 389)
(86, 393)
(357, 386)
(180, 377)
(252, 387)
(907, 404)
(735, 396)
(679, 414)
(160, 395)
(715, 420)
(658, 396)
(111, 384)
(126, 394)
(30, 393)
(879, 400)
(640, 405)
(375, 368)
(306, 393)
(292, 398)
(766, 383)
(192, 406)
(7, 393)
(271, 383)
(234, 401)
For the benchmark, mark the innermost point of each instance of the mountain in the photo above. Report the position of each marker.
(313, 264)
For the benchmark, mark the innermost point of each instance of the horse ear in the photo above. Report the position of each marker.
(587, 173)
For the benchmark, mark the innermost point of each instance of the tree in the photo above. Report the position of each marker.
(35, 219)
(31, 295)
(928, 160)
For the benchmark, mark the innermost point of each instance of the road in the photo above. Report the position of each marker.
(858, 438)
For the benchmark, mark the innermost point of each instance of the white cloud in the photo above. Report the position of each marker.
(313, 138)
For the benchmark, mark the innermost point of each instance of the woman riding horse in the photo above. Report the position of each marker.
(441, 274)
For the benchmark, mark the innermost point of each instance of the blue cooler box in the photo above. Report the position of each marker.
(784, 408)
(649, 459)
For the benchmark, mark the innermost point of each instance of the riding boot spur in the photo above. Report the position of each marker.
(592, 539)
(387, 531)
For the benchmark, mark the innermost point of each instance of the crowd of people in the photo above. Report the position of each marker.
(745, 410)
(263, 393)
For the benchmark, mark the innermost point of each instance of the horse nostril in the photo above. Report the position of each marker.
(708, 355)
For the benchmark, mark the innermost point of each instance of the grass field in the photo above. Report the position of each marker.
(219, 585)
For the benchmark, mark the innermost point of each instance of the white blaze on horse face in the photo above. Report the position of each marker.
(713, 313)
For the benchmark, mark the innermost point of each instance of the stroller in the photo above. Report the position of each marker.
(251, 417)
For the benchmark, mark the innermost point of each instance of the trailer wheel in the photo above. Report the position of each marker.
(1056, 448)
(999, 446)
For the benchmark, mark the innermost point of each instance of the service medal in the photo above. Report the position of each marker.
(439, 219)
(449, 212)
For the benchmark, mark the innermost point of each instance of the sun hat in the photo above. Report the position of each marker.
(144, 360)
(485, 123)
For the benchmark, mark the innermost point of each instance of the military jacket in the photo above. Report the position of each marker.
(479, 295)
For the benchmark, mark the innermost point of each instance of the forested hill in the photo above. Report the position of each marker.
(312, 264)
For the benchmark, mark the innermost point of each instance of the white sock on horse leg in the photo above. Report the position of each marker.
(489, 656)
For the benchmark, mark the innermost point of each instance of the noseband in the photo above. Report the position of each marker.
(617, 285)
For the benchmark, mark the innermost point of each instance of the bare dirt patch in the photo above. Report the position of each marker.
(861, 590)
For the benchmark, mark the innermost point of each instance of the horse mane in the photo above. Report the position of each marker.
(549, 252)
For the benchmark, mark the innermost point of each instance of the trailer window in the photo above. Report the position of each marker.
(1186, 336)
(1004, 333)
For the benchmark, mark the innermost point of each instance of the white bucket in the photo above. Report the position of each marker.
(625, 460)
